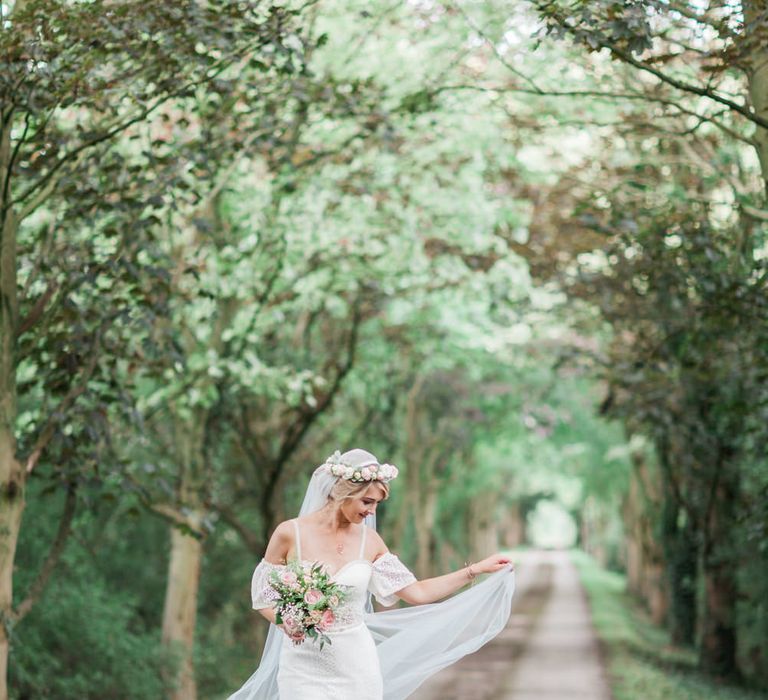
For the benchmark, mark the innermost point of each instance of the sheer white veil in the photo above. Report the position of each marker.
(412, 643)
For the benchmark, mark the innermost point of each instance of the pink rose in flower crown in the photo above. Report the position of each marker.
(313, 596)
(327, 619)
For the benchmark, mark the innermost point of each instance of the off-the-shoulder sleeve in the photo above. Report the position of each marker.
(262, 594)
(389, 576)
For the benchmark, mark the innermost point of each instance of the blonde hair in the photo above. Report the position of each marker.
(344, 489)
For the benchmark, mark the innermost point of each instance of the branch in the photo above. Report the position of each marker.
(628, 58)
(166, 511)
(299, 429)
(46, 243)
(37, 310)
(57, 548)
(494, 48)
(9, 167)
(687, 87)
(598, 94)
(252, 541)
(47, 183)
(754, 212)
(683, 10)
(75, 391)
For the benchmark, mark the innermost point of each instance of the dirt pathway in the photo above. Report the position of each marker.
(548, 650)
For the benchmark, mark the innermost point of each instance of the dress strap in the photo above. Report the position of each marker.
(362, 542)
(298, 538)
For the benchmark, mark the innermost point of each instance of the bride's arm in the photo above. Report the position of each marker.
(431, 590)
(277, 553)
(269, 613)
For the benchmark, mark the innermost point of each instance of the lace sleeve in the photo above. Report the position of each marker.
(389, 576)
(262, 594)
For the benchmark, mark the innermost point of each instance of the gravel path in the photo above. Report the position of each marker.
(548, 651)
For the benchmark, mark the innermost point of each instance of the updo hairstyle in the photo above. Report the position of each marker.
(344, 489)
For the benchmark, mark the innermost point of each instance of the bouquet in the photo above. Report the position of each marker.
(305, 600)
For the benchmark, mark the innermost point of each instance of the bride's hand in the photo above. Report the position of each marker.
(489, 565)
(296, 638)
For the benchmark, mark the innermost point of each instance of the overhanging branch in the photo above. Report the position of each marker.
(57, 548)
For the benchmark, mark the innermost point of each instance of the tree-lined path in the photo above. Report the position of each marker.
(517, 249)
(548, 651)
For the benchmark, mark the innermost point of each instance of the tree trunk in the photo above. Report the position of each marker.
(632, 511)
(719, 567)
(681, 555)
(11, 509)
(180, 610)
(757, 75)
(12, 473)
(424, 487)
(483, 533)
(513, 527)
(644, 555)
(424, 518)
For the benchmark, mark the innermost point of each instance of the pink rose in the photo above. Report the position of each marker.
(298, 638)
(313, 596)
(326, 620)
(289, 578)
(292, 626)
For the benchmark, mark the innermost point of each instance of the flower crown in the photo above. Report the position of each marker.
(336, 466)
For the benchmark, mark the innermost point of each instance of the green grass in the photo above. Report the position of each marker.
(642, 664)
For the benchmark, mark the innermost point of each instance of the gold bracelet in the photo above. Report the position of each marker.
(470, 574)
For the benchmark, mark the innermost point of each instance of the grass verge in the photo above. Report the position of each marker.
(641, 663)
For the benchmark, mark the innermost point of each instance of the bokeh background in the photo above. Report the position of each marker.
(517, 249)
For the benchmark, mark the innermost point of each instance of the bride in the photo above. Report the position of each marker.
(372, 656)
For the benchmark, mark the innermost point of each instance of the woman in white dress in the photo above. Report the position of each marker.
(372, 655)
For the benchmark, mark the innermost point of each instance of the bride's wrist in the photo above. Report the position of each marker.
(470, 572)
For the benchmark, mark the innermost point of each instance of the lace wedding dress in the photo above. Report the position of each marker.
(349, 666)
(376, 656)
(373, 656)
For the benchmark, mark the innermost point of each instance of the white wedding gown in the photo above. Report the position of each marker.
(348, 667)
(375, 656)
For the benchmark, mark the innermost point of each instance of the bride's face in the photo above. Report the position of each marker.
(360, 506)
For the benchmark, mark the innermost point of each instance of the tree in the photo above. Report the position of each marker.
(685, 61)
(76, 78)
(681, 50)
(692, 377)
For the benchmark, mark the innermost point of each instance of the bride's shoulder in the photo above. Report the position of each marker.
(286, 530)
(283, 529)
(376, 543)
(280, 543)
